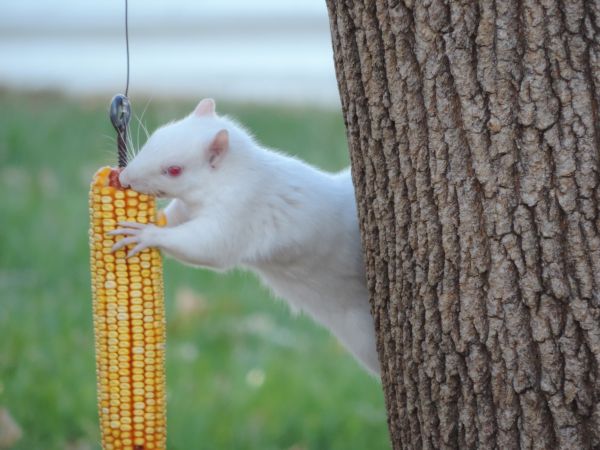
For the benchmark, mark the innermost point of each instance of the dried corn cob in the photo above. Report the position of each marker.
(129, 322)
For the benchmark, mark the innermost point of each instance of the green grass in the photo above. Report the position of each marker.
(242, 372)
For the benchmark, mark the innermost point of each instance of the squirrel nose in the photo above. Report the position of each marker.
(123, 180)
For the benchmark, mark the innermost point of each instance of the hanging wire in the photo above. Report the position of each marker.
(127, 45)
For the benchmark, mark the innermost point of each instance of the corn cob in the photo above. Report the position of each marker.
(129, 322)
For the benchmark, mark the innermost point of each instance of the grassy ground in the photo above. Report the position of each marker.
(242, 373)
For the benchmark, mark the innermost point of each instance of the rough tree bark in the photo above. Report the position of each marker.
(473, 130)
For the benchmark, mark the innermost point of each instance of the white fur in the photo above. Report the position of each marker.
(292, 224)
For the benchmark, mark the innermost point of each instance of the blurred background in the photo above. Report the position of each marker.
(242, 372)
(263, 50)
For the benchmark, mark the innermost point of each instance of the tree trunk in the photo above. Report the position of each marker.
(473, 130)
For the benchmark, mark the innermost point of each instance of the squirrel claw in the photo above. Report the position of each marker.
(140, 234)
(124, 232)
(123, 242)
(135, 250)
(136, 225)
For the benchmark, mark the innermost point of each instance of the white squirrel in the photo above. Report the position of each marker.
(237, 204)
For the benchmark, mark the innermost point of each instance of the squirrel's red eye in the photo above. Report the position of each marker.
(174, 171)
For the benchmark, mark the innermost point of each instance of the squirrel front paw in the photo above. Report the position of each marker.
(143, 235)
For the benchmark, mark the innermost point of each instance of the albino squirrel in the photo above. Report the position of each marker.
(236, 203)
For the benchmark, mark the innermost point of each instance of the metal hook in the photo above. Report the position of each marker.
(120, 113)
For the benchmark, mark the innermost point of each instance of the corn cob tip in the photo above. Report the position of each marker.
(107, 176)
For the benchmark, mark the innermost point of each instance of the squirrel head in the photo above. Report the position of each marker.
(181, 157)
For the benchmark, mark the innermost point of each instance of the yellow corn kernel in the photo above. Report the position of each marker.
(127, 294)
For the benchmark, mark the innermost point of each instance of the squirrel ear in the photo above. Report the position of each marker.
(217, 148)
(206, 107)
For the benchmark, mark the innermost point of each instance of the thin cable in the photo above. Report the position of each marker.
(120, 108)
(127, 46)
